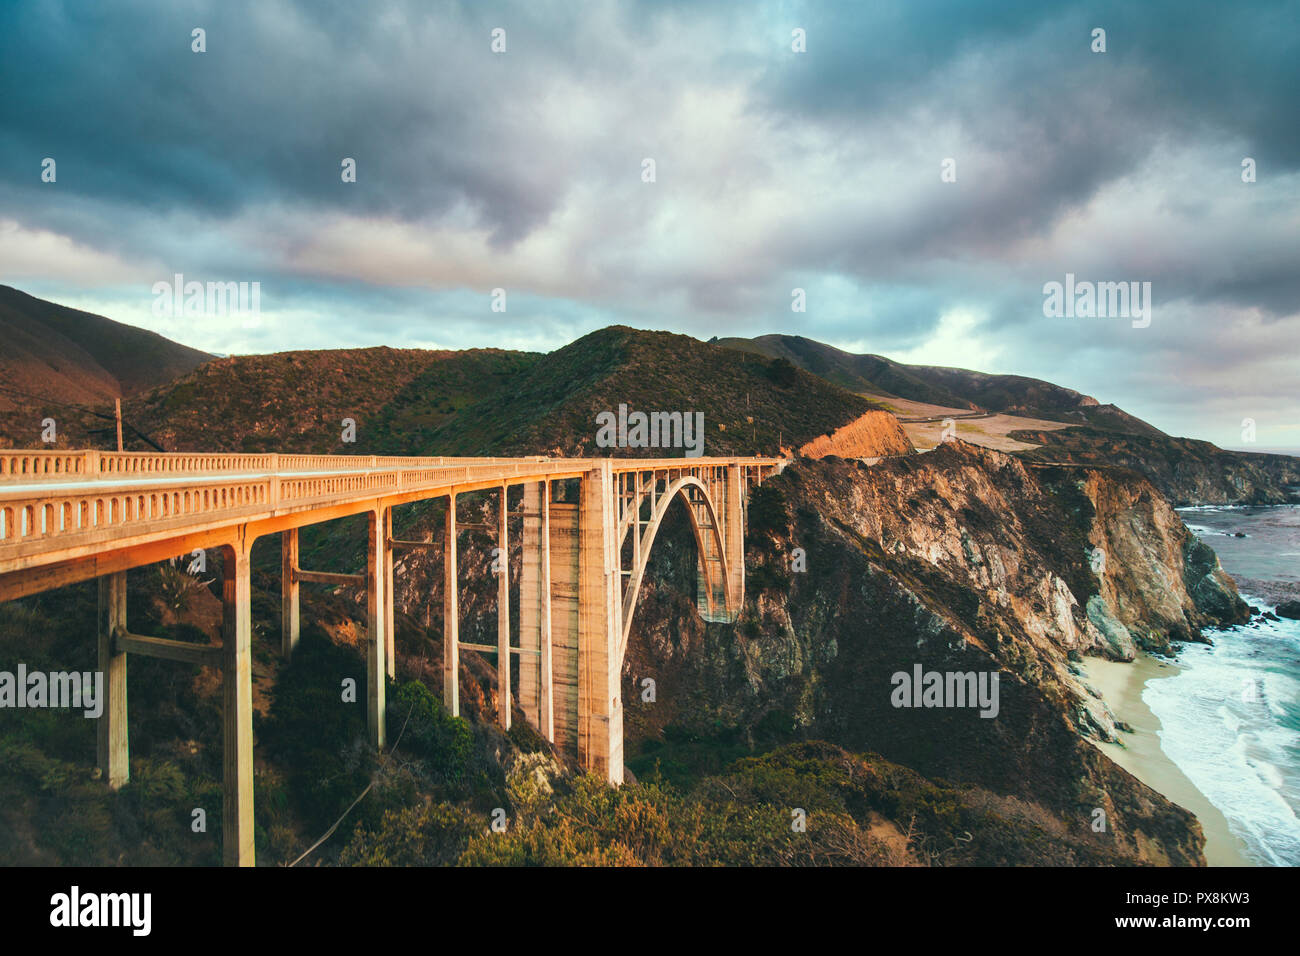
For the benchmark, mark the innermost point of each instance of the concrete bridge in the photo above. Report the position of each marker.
(71, 516)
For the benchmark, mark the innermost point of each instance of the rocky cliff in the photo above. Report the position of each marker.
(964, 560)
(871, 435)
(1186, 471)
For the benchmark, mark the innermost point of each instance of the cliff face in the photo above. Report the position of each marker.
(964, 560)
(1185, 470)
(1156, 583)
(872, 435)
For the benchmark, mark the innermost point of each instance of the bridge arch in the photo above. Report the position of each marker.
(710, 545)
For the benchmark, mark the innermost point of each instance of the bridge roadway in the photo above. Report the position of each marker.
(68, 516)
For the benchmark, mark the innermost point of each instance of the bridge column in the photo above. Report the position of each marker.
(547, 724)
(378, 611)
(530, 607)
(535, 690)
(450, 613)
(565, 573)
(390, 595)
(112, 744)
(503, 617)
(734, 542)
(600, 709)
(237, 708)
(290, 618)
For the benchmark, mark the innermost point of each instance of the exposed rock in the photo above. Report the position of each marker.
(1187, 471)
(872, 435)
(1116, 634)
(962, 560)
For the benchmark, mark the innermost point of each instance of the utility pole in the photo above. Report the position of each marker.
(117, 405)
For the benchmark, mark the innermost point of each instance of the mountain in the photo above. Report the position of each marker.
(750, 404)
(866, 374)
(496, 402)
(56, 360)
(949, 387)
(65, 354)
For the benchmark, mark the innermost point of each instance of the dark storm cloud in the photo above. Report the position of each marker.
(283, 93)
(1197, 65)
(775, 171)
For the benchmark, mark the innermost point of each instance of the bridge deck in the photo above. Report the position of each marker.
(82, 512)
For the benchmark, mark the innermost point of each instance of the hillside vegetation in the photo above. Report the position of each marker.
(297, 401)
(495, 402)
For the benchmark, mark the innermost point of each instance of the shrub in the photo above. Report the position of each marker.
(433, 834)
(444, 743)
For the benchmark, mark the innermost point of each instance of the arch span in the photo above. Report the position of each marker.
(710, 545)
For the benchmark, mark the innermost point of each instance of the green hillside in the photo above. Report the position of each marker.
(750, 403)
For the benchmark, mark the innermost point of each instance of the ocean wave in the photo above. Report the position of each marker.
(1230, 720)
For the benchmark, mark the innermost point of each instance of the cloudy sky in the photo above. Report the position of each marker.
(774, 170)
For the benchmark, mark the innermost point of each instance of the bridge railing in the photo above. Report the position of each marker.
(20, 466)
(24, 466)
(64, 513)
(268, 483)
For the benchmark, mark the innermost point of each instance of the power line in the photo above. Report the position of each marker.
(84, 409)
(45, 400)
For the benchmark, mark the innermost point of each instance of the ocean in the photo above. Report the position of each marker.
(1230, 719)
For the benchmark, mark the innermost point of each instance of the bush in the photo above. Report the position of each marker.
(444, 743)
(433, 834)
(316, 738)
(768, 512)
(781, 371)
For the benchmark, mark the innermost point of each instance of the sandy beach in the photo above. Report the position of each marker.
(1121, 686)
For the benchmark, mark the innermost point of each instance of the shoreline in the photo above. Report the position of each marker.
(1120, 685)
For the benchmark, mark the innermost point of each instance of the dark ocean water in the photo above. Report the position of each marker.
(1231, 718)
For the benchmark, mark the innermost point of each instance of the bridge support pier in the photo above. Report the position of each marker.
(536, 690)
(290, 618)
(450, 613)
(378, 613)
(600, 627)
(734, 542)
(390, 594)
(547, 661)
(503, 617)
(112, 743)
(237, 709)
